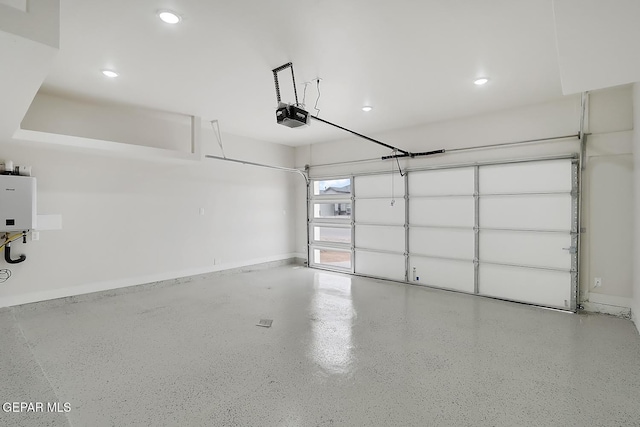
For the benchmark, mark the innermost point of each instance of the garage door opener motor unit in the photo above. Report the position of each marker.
(291, 116)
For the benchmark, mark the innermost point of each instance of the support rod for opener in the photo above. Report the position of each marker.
(244, 162)
(361, 135)
(275, 79)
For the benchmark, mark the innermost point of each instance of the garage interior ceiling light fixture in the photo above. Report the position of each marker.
(110, 73)
(169, 17)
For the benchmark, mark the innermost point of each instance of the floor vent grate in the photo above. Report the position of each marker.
(265, 323)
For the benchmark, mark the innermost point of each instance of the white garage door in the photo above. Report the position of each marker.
(503, 230)
(528, 240)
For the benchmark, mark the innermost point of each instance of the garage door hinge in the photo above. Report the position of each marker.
(571, 249)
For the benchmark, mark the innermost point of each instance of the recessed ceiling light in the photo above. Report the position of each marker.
(110, 73)
(367, 108)
(481, 81)
(169, 17)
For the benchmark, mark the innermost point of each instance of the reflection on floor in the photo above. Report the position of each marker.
(332, 316)
(342, 351)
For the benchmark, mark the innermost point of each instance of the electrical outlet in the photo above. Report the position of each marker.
(597, 282)
(201, 211)
(35, 235)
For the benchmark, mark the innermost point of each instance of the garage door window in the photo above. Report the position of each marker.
(330, 225)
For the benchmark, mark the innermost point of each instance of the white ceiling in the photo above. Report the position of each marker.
(414, 61)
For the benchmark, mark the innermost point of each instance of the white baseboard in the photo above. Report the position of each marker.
(107, 285)
(616, 301)
(607, 309)
(613, 310)
(608, 304)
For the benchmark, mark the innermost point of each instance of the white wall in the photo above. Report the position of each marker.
(110, 122)
(608, 199)
(609, 148)
(128, 222)
(635, 310)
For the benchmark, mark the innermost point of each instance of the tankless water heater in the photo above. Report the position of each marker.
(17, 203)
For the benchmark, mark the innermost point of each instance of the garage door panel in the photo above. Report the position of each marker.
(526, 248)
(388, 266)
(380, 211)
(529, 212)
(450, 243)
(447, 274)
(442, 182)
(543, 287)
(379, 185)
(380, 237)
(443, 212)
(545, 176)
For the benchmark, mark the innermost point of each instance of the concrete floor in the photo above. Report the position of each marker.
(342, 351)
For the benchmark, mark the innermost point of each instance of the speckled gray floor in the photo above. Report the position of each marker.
(342, 351)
